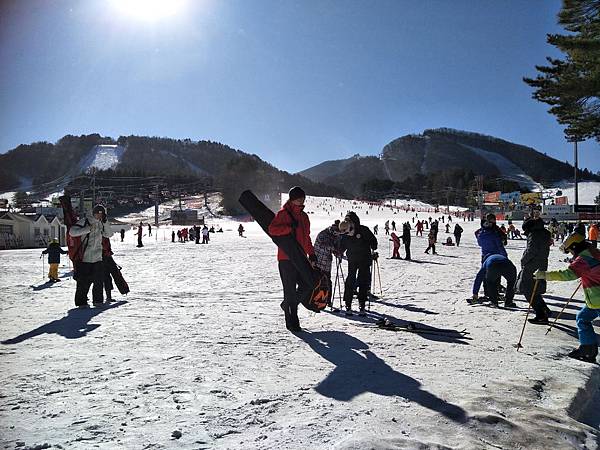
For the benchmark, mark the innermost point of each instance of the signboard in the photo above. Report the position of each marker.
(561, 200)
(532, 198)
(556, 209)
(510, 197)
(587, 208)
(492, 197)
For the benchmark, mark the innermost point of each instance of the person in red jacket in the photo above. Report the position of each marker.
(396, 240)
(291, 218)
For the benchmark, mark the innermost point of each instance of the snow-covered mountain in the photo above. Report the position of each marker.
(442, 149)
(102, 157)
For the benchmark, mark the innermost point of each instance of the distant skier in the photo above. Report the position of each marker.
(197, 234)
(447, 228)
(593, 235)
(406, 240)
(205, 235)
(149, 230)
(492, 269)
(122, 234)
(419, 228)
(53, 251)
(140, 233)
(393, 225)
(173, 236)
(375, 229)
(241, 230)
(458, 231)
(386, 226)
(291, 218)
(359, 243)
(586, 265)
(396, 240)
(431, 241)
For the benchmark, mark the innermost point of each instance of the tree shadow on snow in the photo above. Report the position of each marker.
(358, 370)
(72, 326)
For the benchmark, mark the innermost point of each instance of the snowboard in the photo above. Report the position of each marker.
(319, 294)
(117, 276)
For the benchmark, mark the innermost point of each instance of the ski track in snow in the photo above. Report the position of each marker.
(199, 346)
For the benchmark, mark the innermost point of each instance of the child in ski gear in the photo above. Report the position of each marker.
(492, 269)
(431, 241)
(489, 238)
(535, 257)
(457, 233)
(396, 240)
(291, 219)
(326, 247)
(585, 266)
(358, 242)
(54, 251)
(90, 269)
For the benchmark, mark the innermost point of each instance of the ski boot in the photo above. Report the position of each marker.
(348, 311)
(585, 353)
(362, 312)
(539, 320)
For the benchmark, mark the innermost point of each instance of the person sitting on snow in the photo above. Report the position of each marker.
(586, 266)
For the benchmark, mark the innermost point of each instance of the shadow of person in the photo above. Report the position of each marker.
(42, 286)
(358, 370)
(408, 307)
(72, 326)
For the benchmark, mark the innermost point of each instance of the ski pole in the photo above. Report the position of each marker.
(561, 311)
(527, 315)
(379, 277)
(335, 283)
(43, 267)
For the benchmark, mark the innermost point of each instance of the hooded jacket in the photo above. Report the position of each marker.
(287, 219)
(91, 231)
(490, 241)
(536, 254)
(359, 246)
(54, 251)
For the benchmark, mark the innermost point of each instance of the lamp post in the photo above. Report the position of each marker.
(576, 169)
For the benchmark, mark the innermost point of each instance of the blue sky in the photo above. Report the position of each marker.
(296, 82)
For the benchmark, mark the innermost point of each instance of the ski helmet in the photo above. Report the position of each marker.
(570, 241)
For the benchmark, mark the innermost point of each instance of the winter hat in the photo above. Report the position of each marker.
(352, 217)
(99, 209)
(296, 192)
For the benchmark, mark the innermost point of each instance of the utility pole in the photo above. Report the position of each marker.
(156, 207)
(576, 169)
(93, 187)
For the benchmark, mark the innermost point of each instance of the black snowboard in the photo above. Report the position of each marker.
(316, 297)
(117, 276)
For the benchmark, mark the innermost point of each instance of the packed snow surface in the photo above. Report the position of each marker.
(587, 192)
(197, 355)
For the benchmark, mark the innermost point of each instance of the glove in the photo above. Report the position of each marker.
(375, 256)
(539, 275)
(312, 259)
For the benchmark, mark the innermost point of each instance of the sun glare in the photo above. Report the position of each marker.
(149, 10)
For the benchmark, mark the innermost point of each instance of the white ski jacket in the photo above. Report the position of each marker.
(91, 231)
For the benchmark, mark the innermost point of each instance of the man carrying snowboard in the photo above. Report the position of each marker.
(291, 219)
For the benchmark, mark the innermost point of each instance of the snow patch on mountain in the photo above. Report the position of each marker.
(507, 168)
(103, 157)
(588, 191)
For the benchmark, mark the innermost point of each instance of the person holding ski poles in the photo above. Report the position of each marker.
(585, 266)
(53, 251)
(291, 219)
(358, 242)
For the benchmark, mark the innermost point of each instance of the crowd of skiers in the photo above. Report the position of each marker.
(533, 274)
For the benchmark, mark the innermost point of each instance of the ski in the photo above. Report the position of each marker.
(414, 328)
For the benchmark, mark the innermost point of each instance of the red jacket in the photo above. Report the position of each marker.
(282, 226)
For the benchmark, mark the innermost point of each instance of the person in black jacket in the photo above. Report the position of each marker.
(458, 230)
(53, 251)
(535, 257)
(406, 239)
(358, 242)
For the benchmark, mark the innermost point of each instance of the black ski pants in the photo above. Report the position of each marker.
(88, 274)
(457, 237)
(491, 282)
(294, 289)
(407, 248)
(362, 271)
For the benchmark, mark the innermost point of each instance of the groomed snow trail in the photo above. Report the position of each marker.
(199, 347)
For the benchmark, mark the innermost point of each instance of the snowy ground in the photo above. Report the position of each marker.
(199, 347)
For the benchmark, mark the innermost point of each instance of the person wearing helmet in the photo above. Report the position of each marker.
(90, 270)
(53, 251)
(585, 266)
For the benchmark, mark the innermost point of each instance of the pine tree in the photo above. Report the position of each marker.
(572, 86)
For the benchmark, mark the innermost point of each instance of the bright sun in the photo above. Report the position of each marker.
(148, 10)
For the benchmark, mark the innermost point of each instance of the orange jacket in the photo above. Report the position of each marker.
(593, 233)
(281, 225)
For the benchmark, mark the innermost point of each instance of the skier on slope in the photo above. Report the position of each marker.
(396, 240)
(493, 268)
(386, 226)
(458, 230)
(291, 219)
(431, 240)
(205, 235)
(419, 228)
(140, 233)
(53, 251)
(535, 257)
(586, 266)
(241, 230)
(406, 240)
(358, 242)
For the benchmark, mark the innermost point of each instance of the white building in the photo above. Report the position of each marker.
(20, 231)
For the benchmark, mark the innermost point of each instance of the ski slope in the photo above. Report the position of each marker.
(197, 355)
(102, 157)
